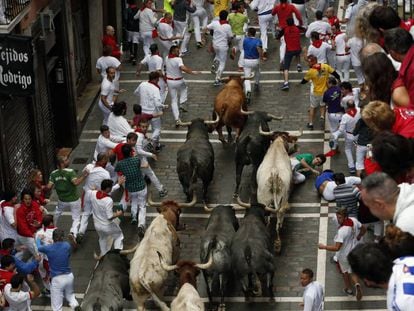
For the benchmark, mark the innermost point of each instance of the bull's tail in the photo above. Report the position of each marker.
(277, 184)
(155, 297)
(248, 255)
(193, 179)
(211, 245)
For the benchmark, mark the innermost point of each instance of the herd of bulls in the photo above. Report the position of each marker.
(244, 253)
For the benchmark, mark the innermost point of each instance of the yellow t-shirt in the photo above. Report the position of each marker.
(319, 78)
(220, 5)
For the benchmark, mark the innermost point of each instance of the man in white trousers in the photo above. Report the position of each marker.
(105, 219)
(253, 53)
(264, 13)
(222, 35)
(147, 21)
(174, 68)
(200, 21)
(61, 286)
(181, 7)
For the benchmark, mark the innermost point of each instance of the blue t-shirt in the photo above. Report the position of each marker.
(58, 255)
(250, 45)
(332, 99)
(325, 176)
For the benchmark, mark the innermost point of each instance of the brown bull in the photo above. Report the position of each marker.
(227, 106)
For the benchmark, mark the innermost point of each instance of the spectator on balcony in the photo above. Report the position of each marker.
(110, 39)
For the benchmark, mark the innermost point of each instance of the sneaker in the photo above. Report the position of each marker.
(248, 97)
(159, 148)
(330, 153)
(134, 62)
(177, 123)
(358, 292)
(182, 109)
(163, 192)
(78, 308)
(79, 238)
(233, 53)
(299, 67)
(185, 53)
(309, 126)
(45, 292)
(134, 220)
(199, 45)
(264, 55)
(348, 291)
(141, 231)
(217, 83)
(214, 66)
(285, 86)
(240, 69)
(331, 144)
(352, 170)
(256, 87)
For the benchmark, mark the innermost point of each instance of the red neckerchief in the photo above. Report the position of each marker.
(153, 83)
(133, 6)
(347, 223)
(172, 56)
(317, 43)
(143, 7)
(4, 252)
(223, 22)
(49, 227)
(101, 195)
(162, 20)
(318, 67)
(352, 112)
(333, 20)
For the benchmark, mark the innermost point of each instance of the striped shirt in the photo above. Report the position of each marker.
(347, 196)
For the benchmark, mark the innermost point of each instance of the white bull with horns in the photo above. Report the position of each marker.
(146, 275)
(274, 177)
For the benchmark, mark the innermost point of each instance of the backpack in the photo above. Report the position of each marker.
(132, 24)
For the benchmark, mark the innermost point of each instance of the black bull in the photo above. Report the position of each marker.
(195, 159)
(109, 284)
(251, 146)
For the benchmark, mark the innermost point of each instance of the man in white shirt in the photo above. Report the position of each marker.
(222, 35)
(155, 63)
(147, 20)
(176, 84)
(117, 122)
(343, 57)
(105, 61)
(106, 141)
(105, 219)
(109, 93)
(264, 14)
(349, 234)
(313, 294)
(17, 298)
(320, 26)
(151, 103)
(96, 174)
(319, 48)
(166, 34)
(7, 219)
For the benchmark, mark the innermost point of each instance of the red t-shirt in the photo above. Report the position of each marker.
(292, 38)
(284, 11)
(404, 122)
(406, 75)
(118, 151)
(25, 217)
(111, 40)
(5, 275)
(143, 116)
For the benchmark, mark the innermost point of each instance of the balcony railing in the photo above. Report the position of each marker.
(10, 9)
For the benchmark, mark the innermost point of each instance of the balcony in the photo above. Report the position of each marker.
(11, 13)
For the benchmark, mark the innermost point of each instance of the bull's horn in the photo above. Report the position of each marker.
(245, 112)
(129, 251)
(164, 265)
(151, 202)
(238, 207)
(208, 209)
(263, 132)
(180, 123)
(97, 258)
(249, 77)
(213, 121)
(204, 266)
(274, 117)
(243, 204)
(271, 210)
(190, 204)
(297, 133)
